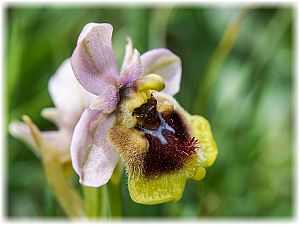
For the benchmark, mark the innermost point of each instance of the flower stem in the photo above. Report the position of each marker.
(114, 191)
(49, 202)
(94, 201)
(105, 201)
(66, 195)
(115, 200)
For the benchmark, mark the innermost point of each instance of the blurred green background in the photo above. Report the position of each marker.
(237, 72)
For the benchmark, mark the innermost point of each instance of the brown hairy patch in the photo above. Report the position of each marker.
(169, 143)
(131, 145)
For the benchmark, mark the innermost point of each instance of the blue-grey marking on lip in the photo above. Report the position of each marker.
(159, 131)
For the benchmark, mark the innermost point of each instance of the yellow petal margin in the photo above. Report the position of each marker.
(166, 187)
(151, 191)
(202, 132)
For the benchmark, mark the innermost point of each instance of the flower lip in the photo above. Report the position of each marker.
(169, 143)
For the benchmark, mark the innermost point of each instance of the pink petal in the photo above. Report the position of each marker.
(60, 141)
(92, 156)
(132, 67)
(52, 114)
(93, 60)
(128, 54)
(107, 101)
(69, 97)
(166, 64)
(21, 130)
(53, 142)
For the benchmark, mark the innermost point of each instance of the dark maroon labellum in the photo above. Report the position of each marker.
(170, 144)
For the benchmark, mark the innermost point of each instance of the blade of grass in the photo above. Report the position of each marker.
(278, 24)
(158, 27)
(138, 21)
(225, 45)
(14, 57)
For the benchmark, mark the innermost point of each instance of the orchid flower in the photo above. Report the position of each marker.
(135, 118)
(53, 147)
(70, 100)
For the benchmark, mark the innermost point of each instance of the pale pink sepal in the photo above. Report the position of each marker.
(92, 156)
(165, 64)
(132, 67)
(93, 60)
(68, 96)
(53, 142)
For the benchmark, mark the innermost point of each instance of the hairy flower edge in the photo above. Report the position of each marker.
(132, 145)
